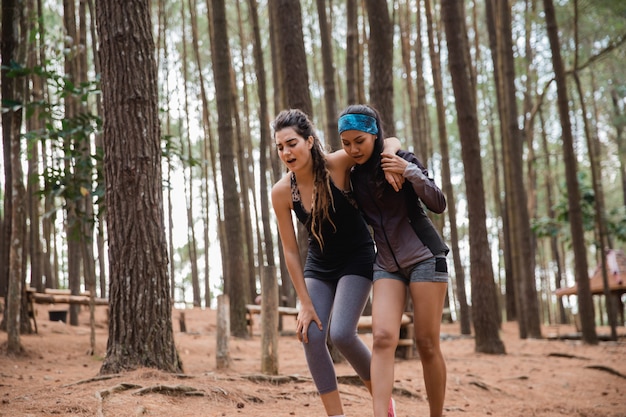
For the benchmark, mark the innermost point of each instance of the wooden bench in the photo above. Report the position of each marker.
(43, 298)
(365, 322)
(406, 344)
(252, 309)
(54, 296)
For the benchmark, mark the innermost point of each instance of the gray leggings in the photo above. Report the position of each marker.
(344, 300)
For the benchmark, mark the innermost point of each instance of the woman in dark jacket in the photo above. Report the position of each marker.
(410, 253)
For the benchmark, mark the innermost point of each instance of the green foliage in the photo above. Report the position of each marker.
(616, 223)
(74, 171)
(587, 202)
(616, 8)
(547, 227)
(171, 147)
(619, 118)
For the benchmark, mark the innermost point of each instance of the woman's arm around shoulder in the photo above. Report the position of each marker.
(342, 162)
(413, 171)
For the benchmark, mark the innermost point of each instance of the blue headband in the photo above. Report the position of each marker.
(357, 121)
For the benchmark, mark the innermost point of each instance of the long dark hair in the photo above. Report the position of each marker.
(322, 194)
(372, 165)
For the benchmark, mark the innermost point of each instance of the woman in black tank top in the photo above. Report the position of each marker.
(337, 275)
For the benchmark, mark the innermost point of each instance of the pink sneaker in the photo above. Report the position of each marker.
(392, 408)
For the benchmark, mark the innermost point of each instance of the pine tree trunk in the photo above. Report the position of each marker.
(352, 51)
(295, 81)
(140, 317)
(205, 145)
(15, 320)
(459, 272)
(330, 95)
(585, 301)
(245, 165)
(269, 285)
(186, 145)
(593, 147)
(521, 246)
(423, 125)
(73, 146)
(554, 244)
(212, 152)
(236, 282)
(35, 123)
(620, 124)
(484, 311)
(381, 62)
(419, 142)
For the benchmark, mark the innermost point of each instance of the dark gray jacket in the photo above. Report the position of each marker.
(398, 217)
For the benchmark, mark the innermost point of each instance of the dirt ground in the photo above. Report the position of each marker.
(535, 377)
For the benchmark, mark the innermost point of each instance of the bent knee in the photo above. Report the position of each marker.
(342, 339)
(316, 337)
(384, 339)
(427, 347)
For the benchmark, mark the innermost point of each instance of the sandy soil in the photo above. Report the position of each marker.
(535, 377)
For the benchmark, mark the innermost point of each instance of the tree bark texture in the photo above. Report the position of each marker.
(352, 52)
(381, 62)
(554, 243)
(295, 81)
(593, 147)
(269, 284)
(405, 46)
(15, 320)
(522, 253)
(140, 322)
(330, 95)
(459, 272)
(423, 139)
(8, 46)
(585, 300)
(33, 187)
(188, 174)
(620, 124)
(293, 59)
(484, 306)
(236, 282)
(245, 169)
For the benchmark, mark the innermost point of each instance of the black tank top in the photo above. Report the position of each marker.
(348, 248)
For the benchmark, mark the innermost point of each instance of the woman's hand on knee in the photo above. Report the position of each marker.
(306, 316)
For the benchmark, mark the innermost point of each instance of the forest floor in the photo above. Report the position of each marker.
(57, 376)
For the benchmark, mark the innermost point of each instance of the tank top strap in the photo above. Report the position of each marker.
(295, 193)
(296, 199)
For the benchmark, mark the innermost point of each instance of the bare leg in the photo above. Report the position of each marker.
(428, 299)
(387, 307)
(332, 403)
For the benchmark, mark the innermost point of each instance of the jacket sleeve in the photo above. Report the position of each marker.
(425, 187)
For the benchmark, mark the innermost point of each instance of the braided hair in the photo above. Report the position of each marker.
(322, 195)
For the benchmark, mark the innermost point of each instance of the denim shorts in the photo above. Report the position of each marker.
(433, 269)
